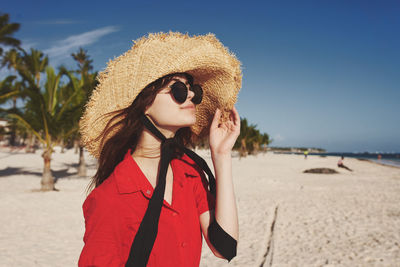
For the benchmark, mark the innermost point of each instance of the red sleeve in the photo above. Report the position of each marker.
(101, 245)
(204, 199)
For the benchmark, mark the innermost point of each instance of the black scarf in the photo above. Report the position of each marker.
(147, 232)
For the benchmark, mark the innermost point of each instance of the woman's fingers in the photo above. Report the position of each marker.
(236, 118)
(215, 121)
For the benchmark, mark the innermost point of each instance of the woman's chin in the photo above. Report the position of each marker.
(190, 123)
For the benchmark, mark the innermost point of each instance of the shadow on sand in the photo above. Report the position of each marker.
(57, 174)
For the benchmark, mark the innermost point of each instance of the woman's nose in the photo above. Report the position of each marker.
(190, 94)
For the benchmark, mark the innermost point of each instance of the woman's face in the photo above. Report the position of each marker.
(167, 113)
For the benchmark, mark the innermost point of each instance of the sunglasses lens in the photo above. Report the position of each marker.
(198, 94)
(179, 91)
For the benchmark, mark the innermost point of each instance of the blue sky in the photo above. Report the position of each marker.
(315, 73)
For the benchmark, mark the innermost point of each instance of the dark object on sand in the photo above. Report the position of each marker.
(345, 167)
(321, 170)
(341, 165)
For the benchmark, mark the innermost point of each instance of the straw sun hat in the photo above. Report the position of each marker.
(211, 64)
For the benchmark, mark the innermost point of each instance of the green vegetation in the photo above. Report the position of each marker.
(251, 139)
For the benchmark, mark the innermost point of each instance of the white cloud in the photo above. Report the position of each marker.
(63, 48)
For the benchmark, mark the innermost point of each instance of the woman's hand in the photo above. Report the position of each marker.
(223, 135)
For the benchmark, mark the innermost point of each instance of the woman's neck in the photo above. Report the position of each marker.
(148, 145)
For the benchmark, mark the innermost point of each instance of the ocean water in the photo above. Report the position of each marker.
(392, 159)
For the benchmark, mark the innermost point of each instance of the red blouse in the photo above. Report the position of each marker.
(113, 212)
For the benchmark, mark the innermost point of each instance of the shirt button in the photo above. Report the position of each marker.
(183, 244)
(174, 214)
(148, 192)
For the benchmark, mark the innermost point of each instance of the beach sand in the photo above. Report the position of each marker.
(286, 217)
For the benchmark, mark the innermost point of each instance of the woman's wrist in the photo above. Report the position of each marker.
(221, 158)
(224, 155)
(222, 163)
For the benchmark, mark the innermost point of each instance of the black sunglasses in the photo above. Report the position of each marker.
(179, 91)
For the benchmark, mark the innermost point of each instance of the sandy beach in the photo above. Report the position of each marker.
(286, 217)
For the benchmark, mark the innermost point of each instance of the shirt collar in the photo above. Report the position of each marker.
(130, 178)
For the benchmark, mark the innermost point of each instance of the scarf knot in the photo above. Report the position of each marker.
(170, 143)
(169, 147)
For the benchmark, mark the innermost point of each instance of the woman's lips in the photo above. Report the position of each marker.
(189, 107)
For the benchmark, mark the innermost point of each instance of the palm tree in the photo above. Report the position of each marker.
(265, 140)
(249, 139)
(89, 83)
(7, 91)
(29, 67)
(254, 140)
(85, 86)
(10, 89)
(84, 62)
(6, 88)
(44, 114)
(12, 60)
(6, 31)
(32, 65)
(240, 143)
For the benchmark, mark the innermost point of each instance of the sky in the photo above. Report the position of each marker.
(322, 74)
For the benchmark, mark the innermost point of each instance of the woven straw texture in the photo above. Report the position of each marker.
(210, 63)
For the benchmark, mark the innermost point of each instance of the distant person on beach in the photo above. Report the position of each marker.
(152, 202)
(305, 154)
(341, 165)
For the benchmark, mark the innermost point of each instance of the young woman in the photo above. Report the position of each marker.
(151, 204)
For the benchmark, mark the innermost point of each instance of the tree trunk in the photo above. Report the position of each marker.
(33, 149)
(30, 148)
(242, 150)
(62, 145)
(29, 144)
(265, 148)
(13, 135)
(256, 147)
(13, 125)
(82, 165)
(76, 146)
(47, 181)
(23, 140)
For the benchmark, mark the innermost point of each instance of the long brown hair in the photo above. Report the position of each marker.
(129, 128)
